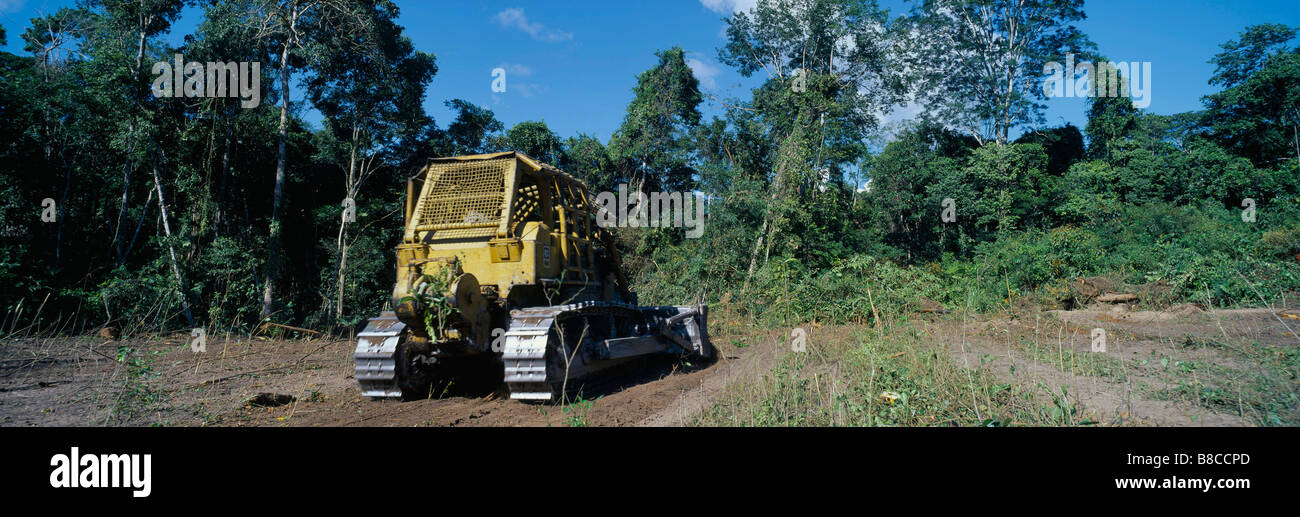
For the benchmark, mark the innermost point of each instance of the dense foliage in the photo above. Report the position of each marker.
(185, 211)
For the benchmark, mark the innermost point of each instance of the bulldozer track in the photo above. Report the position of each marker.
(376, 370)
(539, 361)
(539, 365)
(534, 369)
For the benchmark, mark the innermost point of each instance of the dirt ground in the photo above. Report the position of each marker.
(243, 381)
(1183, 366)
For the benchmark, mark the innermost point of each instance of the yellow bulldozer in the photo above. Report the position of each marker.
(504, 275)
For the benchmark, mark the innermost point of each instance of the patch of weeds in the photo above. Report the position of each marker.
(887, 379)
(1190, 341)
(1078, 363)
(1268, 395)
(576, 412)
(136, 395)
(1062, 409)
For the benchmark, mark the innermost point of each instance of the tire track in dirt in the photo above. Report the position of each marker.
(739, 365)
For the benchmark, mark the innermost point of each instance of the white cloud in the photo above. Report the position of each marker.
(514, 18)
(728, 6)
(520, 70)
(516, 69)
(527, 90)
(705, 71)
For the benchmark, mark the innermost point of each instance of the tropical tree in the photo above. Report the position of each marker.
(369, 83)
(474, 130)
(825, 63)
(652, 144)
(289, 26)
(535, 139)
(978, 64)
(1111, 119)
(1257, 115)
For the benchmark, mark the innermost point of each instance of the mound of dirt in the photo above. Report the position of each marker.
(1087, 289)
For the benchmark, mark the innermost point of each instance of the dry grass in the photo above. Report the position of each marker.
(885, 377)
(1231, 368)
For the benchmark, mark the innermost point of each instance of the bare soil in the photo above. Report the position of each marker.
(254, 381)
(243, 381)
(1183, 366)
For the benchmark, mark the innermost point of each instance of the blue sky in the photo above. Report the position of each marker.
(573, 64)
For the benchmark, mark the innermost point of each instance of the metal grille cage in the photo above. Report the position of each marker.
(464, 197)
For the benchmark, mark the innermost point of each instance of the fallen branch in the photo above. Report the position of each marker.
(1117, 298)
(264, 325)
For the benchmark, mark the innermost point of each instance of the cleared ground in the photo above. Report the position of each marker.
(1182, 366)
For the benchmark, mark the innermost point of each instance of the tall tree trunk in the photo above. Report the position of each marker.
(171, 247)
(779, 183)
(63, 203)
(1295, 134)
(139, 223)
(225, 173)
(343, 265)
(128, 166)
(126, 197)
(273, 245)
(753, 256)
(350, 187)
